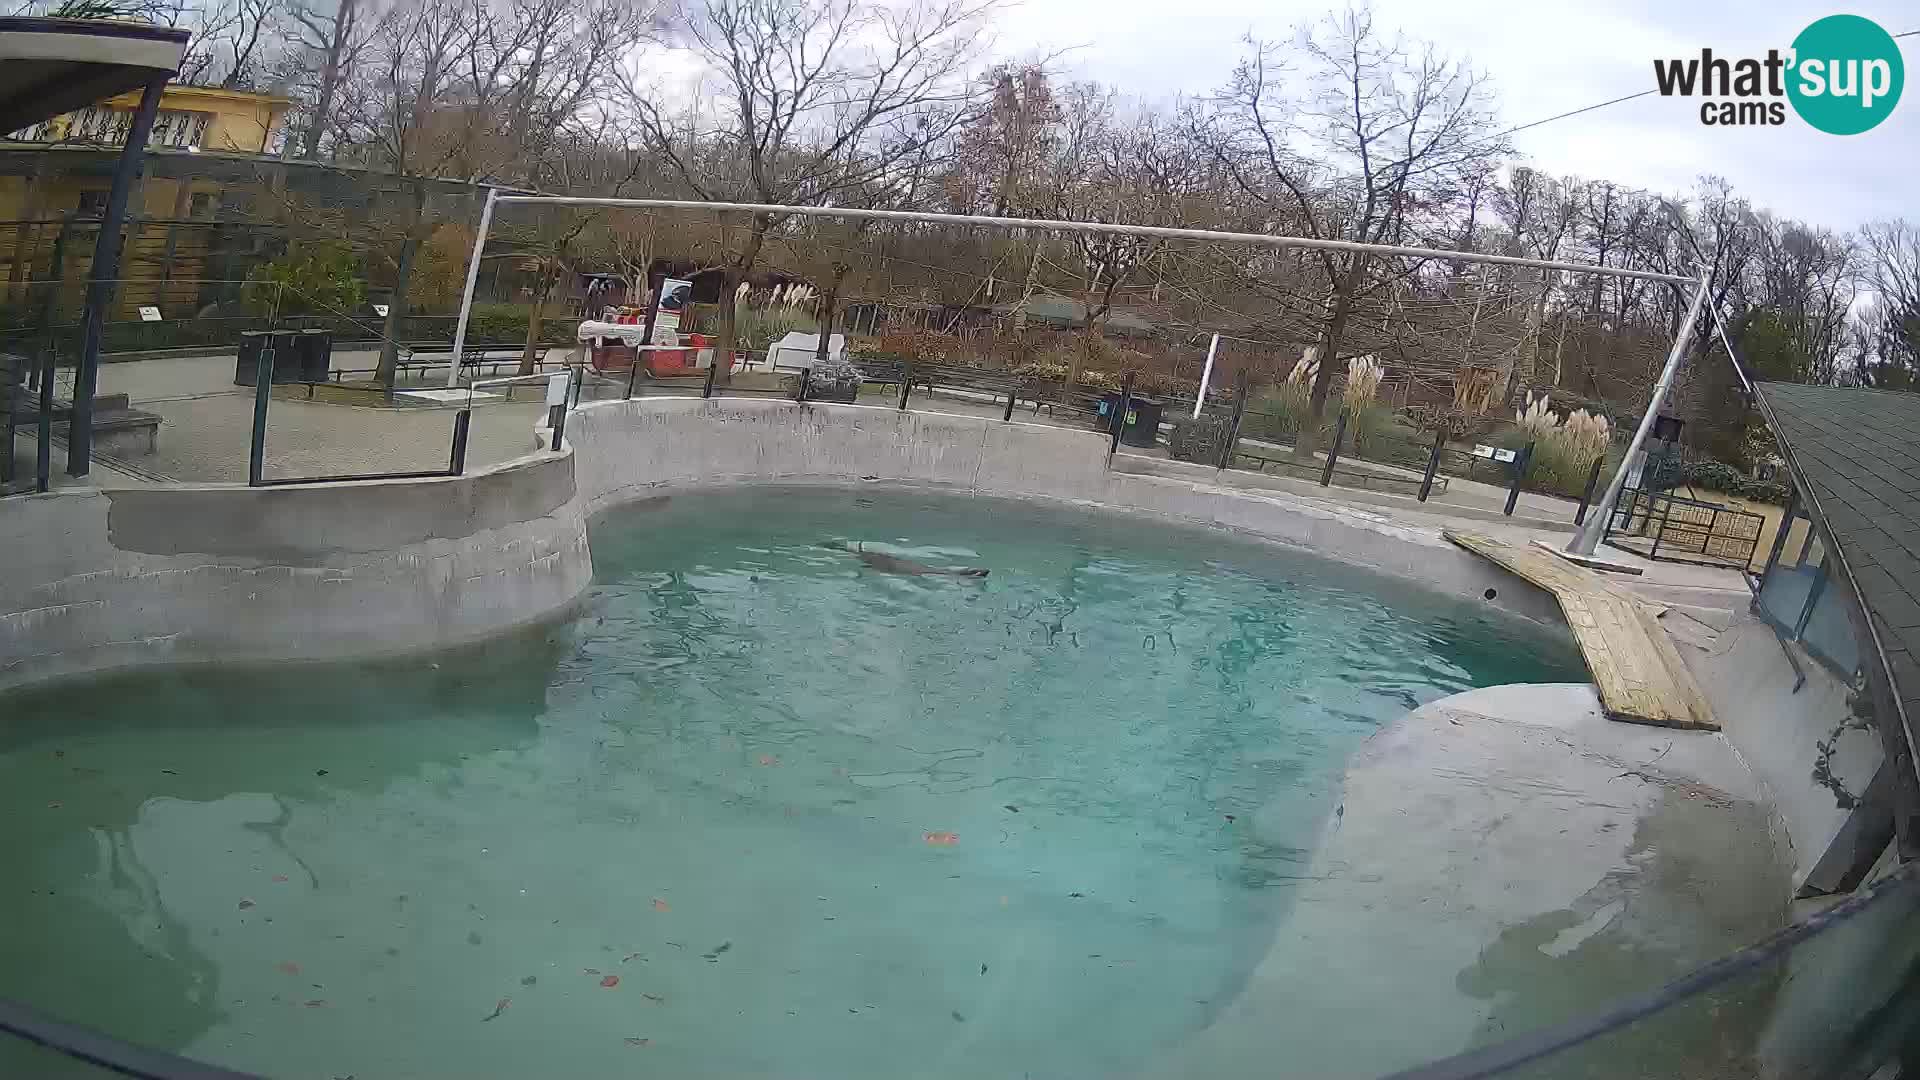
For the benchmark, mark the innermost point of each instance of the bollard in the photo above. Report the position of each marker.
(1433, 463)
(1333, 452)
(1586, 496)
(906, 384)
(1519, 474)
(262, 391)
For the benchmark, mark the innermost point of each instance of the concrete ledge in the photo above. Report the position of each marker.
(635, 449)
(98, 580)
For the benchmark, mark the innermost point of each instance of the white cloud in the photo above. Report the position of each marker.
(1545, 57)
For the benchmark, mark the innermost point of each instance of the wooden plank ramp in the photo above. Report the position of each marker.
(1641, 677)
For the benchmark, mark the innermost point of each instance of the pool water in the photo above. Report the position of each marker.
(760, 809)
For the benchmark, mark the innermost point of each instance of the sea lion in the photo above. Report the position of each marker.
(894, 564)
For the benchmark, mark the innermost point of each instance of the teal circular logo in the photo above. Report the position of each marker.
(1846, 74)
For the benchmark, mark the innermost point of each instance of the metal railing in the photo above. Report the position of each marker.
(1668, 528)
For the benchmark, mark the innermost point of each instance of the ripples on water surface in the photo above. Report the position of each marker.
(759, 811)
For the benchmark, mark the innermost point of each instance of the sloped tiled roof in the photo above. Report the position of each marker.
(1856, 455)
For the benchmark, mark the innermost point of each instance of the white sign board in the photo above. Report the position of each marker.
(149, 314)
(1494, 453)
(676, 295)
(380, 310)
(557, 389)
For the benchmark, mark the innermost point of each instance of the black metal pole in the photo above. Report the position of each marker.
(262, 391)
(806, 383)
(1233, 426)
(1120, 413)
(706, 391)
(557, 421)
(1586, 495)
(100, 284)
(43, 448)
(1007, 416)
(457, 464)
(1333, 452)
(906, 383)
(1786, 526)
(1433, 464)
(1519, 475)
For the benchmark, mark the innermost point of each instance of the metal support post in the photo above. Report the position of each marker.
(1008, 415)
(1433, 463)
(1586, 495)
(1232, 440)
(101, 278)
(457, 463)
(1587, 540)
(1519, 477)
(806, 383)
(906, 384)
(1333, 452)
(262, 392)
(1120, 414)
(706, 389)
(466, 296)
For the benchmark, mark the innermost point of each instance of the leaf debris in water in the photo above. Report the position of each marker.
(498, 1008)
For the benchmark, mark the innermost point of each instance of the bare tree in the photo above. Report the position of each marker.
(820, 97)
(1383, 133)
(328, 42)
(1889, 339)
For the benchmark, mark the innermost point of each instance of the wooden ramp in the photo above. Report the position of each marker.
(1641, 677)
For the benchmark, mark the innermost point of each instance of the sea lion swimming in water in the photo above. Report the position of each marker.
(894, 564)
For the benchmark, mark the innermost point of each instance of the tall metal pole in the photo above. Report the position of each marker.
(466, 298)
(1587, 540)
(1206, 376)
(100, 286)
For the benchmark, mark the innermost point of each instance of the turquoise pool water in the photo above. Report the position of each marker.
(759, 810)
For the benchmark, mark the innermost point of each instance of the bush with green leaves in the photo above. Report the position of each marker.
(319, 278)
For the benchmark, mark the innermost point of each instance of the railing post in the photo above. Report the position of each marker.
(706, 390)
(1120, 414)
(1586, 495)
(1433, 463)
(1519, 476)
(1232, 440)
(43, 443)
(1007, 416)
(806, 383)
(1666, 512)
(906, 383)
(262, 390)
(633, 369)
(457, 462)
(1333, 452)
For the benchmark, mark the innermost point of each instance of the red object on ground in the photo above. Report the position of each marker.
(610, 981)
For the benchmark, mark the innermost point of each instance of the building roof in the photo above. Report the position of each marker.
(1062, 311)
(54, 66)
(1856, 457)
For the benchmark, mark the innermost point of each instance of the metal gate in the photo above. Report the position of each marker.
(1668, 528)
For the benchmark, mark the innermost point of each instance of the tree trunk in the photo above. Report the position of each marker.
(329, 80)
(402, 278)
(1026, 290)
(1307, 440)
(829, 304)
(547, 279)
(729, 309)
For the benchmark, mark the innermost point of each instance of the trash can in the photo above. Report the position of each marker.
(313, 350)
(286, 362)
(1143, 421)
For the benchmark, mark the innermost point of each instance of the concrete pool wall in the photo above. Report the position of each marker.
(98, 580)
(628, 450)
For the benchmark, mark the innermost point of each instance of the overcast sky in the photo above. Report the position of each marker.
(1546, 57)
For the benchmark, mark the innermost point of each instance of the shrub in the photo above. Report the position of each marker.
(1564, 448)
(1726, 479)
(321, 278)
